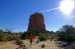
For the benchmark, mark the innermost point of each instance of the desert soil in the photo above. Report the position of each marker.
(12, 45)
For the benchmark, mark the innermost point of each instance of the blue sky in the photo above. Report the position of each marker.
(15, 14)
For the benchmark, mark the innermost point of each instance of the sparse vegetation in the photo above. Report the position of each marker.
(66, 33)
(18, 42)
(3, 36)
(65, 36)
(42, 38)
(23, 36)
(35, 33)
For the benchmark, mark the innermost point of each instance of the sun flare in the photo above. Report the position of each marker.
(66, 6)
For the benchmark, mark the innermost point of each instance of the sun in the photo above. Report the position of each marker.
(66, 6)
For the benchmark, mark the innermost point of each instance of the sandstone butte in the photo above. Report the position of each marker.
(36, 22)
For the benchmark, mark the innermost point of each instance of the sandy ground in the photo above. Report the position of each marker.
(8, 45)
(11, 45)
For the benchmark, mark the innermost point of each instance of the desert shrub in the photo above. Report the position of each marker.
(18, 42)
(43, 46)
(3, 36)
(68, 37)
(23, 36)
(42, 38)
(66, 33)
(35, 33)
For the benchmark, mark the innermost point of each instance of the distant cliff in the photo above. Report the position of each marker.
(36, 22)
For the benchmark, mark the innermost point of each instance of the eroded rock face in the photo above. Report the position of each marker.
(36, 22)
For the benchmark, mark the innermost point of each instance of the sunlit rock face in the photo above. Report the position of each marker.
(36, 22)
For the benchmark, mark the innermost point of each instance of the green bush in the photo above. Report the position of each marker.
(3, 36)
(42, 38)
(23, 36)
(68, 37)
(19, 42)
(35, 33)
(66, 33)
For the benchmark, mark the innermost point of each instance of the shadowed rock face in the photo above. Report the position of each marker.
(36, 22)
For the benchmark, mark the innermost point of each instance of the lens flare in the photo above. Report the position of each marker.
(66, 6)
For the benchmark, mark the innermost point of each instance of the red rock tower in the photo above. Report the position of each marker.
(36, 22)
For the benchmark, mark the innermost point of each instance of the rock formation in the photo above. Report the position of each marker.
(36, 22)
